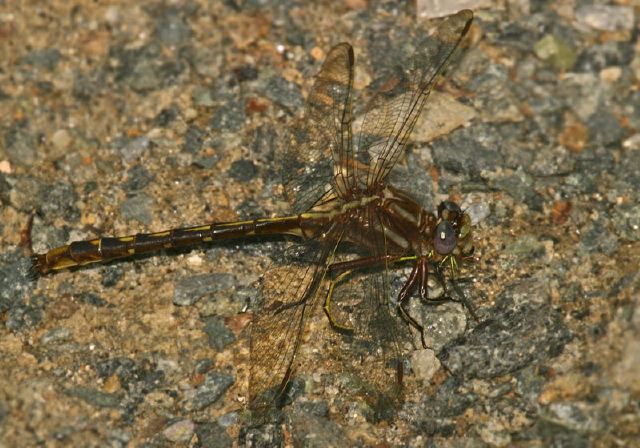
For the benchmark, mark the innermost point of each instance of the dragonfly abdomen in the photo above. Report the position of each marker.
(80, 253)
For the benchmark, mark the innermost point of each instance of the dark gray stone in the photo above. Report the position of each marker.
(551, 161)
(318, 408)
(463, 152)
(284, 93)
(250, 209)
(264, 144)
(84, 86)
(203, 365)
(92, 299)
(21, 144)
(94, 397)
(193, 139)
(605, 128)
(212, 435)
(242, 170)
(137, 377)
(191, 289)
(629, 174)
(206, 162)
(111, 275)
(414, 178)
(519, 186)
(451, 399)
(228, 117)
(15, 279)
(218, 333)
(24, 316)
(145, 69)
(166, 116)
(138, 207)
(594, 58)
(597, 238)
(523, 329)
(246, 72)
(139, 68)
(138, 177)
(214, 386)
(58, 200)
(557, 436)
(530, 383)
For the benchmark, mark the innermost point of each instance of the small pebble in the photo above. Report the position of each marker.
(424, 364)
(61, 139)
(181, 431)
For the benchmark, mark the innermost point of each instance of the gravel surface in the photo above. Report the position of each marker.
(120, 119)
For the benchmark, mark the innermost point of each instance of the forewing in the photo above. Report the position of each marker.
(318, 153)
(392, 112)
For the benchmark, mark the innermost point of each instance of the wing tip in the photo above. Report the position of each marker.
(467, 16)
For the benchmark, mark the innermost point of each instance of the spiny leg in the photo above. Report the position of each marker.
(346, 268)
(419, 279)
(408, 318)
(464, 301)
(454, 282)
(341, 328)
(403, 299)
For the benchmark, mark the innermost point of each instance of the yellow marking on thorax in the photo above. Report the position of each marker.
(341, 209)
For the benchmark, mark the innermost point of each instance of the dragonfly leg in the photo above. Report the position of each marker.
(343, 269)
(404, 313)
(454, 283)
(327, 305)
(464, 301)
(403, 299)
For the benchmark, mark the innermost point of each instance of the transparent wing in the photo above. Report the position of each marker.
(287, 300)
(318, 151)
(392, 112)
(375, 350)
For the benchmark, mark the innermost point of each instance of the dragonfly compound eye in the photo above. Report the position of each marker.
(445, 239)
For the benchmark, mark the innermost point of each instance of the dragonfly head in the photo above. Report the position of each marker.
(453, 231)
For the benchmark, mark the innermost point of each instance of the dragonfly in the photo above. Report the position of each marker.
(352, 228)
